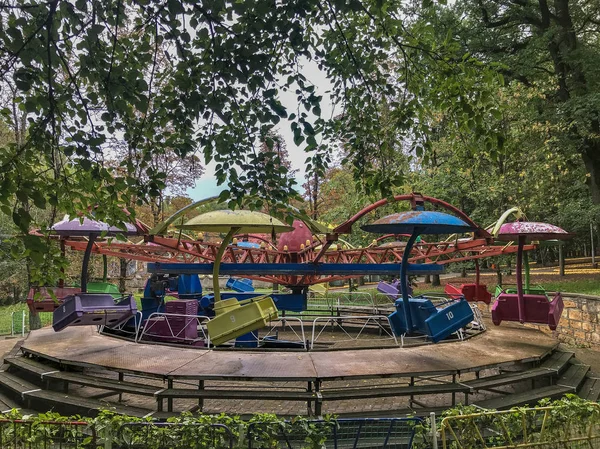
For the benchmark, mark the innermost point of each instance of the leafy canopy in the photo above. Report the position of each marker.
(183, 75)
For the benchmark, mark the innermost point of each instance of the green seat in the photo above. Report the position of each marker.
(104, 287)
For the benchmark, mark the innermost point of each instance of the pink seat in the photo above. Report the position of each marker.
(537, 309)
(46, 303)
(471, 292)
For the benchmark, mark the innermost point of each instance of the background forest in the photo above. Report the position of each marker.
(113, 105)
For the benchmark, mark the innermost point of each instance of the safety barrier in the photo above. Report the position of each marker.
(542, 427)
(124, 327)
(385, 433)
(285, 324)
(333, 299)
(159, 326)
(23, 434)
(166, 435)
(14, 325)
(363, 323)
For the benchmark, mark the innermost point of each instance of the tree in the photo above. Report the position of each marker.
(89, 70)
(553, 48)
(179, 174)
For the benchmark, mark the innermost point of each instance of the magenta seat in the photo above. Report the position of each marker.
(538, 309)
(471, 292)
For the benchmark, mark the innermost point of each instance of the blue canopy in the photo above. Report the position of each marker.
(424, 222)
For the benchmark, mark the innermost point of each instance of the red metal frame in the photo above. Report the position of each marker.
(169, 249)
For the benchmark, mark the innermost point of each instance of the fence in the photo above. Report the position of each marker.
(549, 427)
(20, 434)
(143, 435)
(386, 433)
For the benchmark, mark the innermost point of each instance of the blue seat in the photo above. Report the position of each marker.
(437, 322)
(240, 285)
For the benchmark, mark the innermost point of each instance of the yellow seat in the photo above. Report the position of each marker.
(235, 318)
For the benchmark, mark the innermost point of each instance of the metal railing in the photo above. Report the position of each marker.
(23, 434)
(284, 324)
(368, 322)
(333, 299)
(384, 433)
(165, 435)
(124, 326)
(14, 314)
(178, 335)
(541, 427)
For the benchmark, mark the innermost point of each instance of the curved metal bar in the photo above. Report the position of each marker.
(404, 279)
(346, 227)
(513, 210)
(86, 262)
(162, 227)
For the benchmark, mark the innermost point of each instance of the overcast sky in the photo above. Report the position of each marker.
(207, 185)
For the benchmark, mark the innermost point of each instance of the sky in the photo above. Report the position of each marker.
(206, 186)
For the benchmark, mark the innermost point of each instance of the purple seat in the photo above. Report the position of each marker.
(393, 290)
(85, 309)
(537, 309)
(388, 289)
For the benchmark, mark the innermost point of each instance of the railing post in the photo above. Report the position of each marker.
(108, 437)
(23, 324)
(12, 323)
(434, 438)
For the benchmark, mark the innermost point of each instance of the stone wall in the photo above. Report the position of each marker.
(580, 321)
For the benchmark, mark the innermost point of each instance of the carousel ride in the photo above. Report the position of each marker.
(299, 259)
(290, 345)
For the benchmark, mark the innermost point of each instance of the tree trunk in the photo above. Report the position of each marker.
(436, 280)
(123, 275)
(591, 159)
(428, 279)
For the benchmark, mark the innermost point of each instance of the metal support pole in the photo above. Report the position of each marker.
(561, 260)
(121, 377)
(200, 400)
(434, 438)
(23, 324)
(592, 245)
(170, 399)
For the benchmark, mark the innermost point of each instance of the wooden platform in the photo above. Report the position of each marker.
(83, 346)
(332, 381)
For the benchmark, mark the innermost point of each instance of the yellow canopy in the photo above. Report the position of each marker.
(246, 221)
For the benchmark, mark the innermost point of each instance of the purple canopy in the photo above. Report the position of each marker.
(531, 230)
(76, 227)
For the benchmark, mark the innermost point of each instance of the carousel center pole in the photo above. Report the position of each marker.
(217, 263)
(86, 261)
(520, 279)
(404, 278)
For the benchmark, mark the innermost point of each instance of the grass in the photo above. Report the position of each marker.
(584, 286)
(567, 285)
(6, 314)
